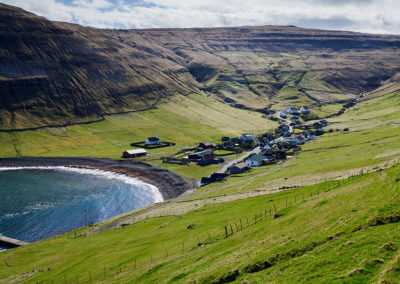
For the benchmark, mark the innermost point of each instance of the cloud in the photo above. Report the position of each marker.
(375, 16)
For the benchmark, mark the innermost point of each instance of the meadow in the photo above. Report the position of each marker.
(326, 215)
(336, 231)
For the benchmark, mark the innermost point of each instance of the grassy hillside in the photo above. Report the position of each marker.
(185, 120)
(339, 224)
(338, 231)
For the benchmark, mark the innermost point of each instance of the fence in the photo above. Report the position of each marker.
(198, 240)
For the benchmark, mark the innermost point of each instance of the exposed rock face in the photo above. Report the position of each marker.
(57, 73)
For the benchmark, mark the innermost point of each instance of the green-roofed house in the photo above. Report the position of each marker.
(255, 160)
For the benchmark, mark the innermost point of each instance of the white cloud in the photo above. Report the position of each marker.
(376, 16)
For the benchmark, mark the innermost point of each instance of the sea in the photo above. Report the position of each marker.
(40, 202)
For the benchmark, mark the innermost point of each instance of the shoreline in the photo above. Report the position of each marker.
(169, 184)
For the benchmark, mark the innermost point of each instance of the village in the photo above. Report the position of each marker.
(250, 150)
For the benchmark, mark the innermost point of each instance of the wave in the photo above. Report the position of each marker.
(11, 215)
(100, 173)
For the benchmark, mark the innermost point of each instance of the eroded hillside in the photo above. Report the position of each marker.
(58, 73)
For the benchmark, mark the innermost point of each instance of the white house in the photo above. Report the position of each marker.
(304, 110)
(153, 140)
(255, 160)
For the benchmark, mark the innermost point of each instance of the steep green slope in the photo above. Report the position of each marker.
(338, 231)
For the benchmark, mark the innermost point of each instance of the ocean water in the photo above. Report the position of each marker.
(41, 202)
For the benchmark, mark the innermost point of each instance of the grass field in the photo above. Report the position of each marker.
(329, 229)
(343, 231)
(183, 120)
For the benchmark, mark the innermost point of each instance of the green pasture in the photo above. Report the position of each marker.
(336, 231)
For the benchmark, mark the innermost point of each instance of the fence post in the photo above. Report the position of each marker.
(226, 232)
(166, 253)
(105, 274)
(275, 208)
(183, 247)
(231, 228)
(198, 240)
(90, 276)
(135, 262)
(237, 230)
(65, 279)
(241, 226)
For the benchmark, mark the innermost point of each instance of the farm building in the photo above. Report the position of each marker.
(239, 168)
(255, 160)
(134, 153)
(153, 140)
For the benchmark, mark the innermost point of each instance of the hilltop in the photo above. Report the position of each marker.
(54, 73)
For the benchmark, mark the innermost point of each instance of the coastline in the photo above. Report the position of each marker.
(169, 184)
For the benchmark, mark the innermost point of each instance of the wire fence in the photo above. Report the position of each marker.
(200, 239)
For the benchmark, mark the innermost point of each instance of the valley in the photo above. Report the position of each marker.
(327, 212)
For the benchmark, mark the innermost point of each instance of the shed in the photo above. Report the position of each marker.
(134, 153)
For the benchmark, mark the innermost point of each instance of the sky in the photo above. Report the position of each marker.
(371, 16)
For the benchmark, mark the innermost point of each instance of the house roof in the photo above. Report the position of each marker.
(204, 152)
(257, 157)
(153, 139)
(241, 165)
(206, 144)
(248, 136)
(136, 151)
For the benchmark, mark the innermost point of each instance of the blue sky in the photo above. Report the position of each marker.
(373, 16)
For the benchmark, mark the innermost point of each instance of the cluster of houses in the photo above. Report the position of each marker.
(295, 113)
(204, 155)
(273, 146)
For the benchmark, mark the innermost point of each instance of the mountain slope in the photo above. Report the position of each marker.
(52, 74)
(58, 73)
